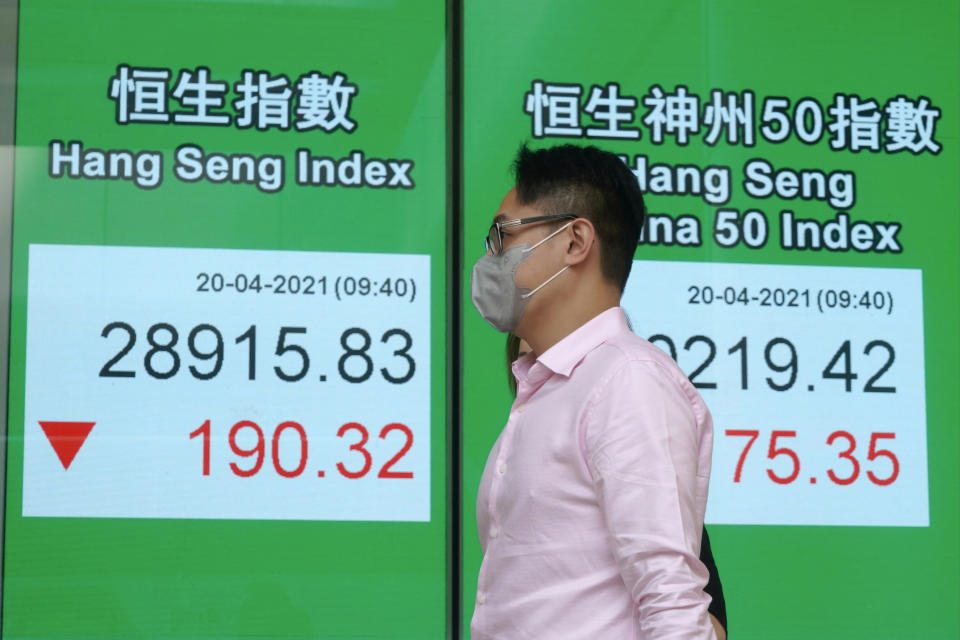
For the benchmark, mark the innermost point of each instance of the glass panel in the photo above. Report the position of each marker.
(228, 322)
(799, 261)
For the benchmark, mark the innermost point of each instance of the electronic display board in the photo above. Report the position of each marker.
(799, 261)
(228, 353)
(228, 370)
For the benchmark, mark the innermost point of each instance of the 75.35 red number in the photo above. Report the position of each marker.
(838, 476)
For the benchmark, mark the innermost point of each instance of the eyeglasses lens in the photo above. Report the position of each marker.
(492, 241)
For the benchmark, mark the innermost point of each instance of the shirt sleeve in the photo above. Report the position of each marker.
(641, 442)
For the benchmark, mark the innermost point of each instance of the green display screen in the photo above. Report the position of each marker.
(235, 390)
(799, 163)
(227, 409)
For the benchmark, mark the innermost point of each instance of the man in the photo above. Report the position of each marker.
(591, 504)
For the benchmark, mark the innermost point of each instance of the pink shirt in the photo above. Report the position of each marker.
(591, 504)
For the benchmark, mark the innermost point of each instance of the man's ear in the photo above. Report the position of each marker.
(581, 238)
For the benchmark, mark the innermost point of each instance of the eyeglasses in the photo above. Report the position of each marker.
(493, 243)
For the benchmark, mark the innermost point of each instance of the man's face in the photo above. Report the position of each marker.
(546, 260)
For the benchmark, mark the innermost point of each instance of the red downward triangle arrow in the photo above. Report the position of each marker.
(66, 438)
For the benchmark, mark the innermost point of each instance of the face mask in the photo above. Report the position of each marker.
(494, 290)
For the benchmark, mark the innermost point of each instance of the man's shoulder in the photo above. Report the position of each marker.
(626, 347)
(635, 371)
(628, 351)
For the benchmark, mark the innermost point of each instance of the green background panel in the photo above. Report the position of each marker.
(783, 582)
(133, 578)
(120, 578)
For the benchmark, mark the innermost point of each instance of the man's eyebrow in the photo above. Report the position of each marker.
(501, 217)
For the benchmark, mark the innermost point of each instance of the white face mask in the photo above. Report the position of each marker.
(494, 290)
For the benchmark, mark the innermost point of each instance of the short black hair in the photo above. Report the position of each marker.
(593, 184)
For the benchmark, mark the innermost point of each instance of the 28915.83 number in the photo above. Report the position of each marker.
(205, 343)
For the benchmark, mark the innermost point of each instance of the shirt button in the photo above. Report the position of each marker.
(520, 408)
(481, 598)
(494, 532)
(502, 468)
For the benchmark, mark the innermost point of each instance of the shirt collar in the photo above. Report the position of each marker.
(565, 355)
(522, 365)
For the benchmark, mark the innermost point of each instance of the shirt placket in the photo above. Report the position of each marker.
(526, 388)
(496, 483)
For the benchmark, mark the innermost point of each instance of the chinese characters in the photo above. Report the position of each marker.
(261, 100)
(850, 122)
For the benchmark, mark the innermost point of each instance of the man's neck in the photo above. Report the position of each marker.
(548, 331)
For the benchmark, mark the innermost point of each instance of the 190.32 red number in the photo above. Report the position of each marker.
(258, 451)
